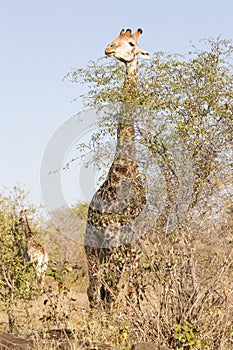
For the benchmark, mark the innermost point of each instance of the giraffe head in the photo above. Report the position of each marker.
(124, 48)
(24, 220)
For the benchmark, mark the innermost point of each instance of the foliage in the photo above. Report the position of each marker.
(80, 210)
(186, 335)
(193, 92)
(17, 278)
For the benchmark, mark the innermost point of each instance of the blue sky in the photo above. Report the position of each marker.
(41, 41)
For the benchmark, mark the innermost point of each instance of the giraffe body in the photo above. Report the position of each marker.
(115, 208)
(35, 253)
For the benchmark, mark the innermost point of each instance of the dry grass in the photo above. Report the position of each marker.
(186, 298)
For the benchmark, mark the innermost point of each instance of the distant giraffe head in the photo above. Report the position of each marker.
(125, 48)
(24, 220)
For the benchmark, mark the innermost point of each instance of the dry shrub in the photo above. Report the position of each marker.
(186, 291)
(184, 285)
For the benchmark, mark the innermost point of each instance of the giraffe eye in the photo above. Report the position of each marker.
(131, 44)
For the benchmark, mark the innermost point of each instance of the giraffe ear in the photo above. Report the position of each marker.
(144, 54)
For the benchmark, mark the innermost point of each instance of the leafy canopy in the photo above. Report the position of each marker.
(192, 91)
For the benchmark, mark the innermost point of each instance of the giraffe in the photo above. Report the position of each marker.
(112, 215)
(34, 252)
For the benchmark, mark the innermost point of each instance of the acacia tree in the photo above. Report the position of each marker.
(194, 92)
(191, 94)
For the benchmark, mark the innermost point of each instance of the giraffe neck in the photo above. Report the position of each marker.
(27, 227)
(125, 130)
(131, 73)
